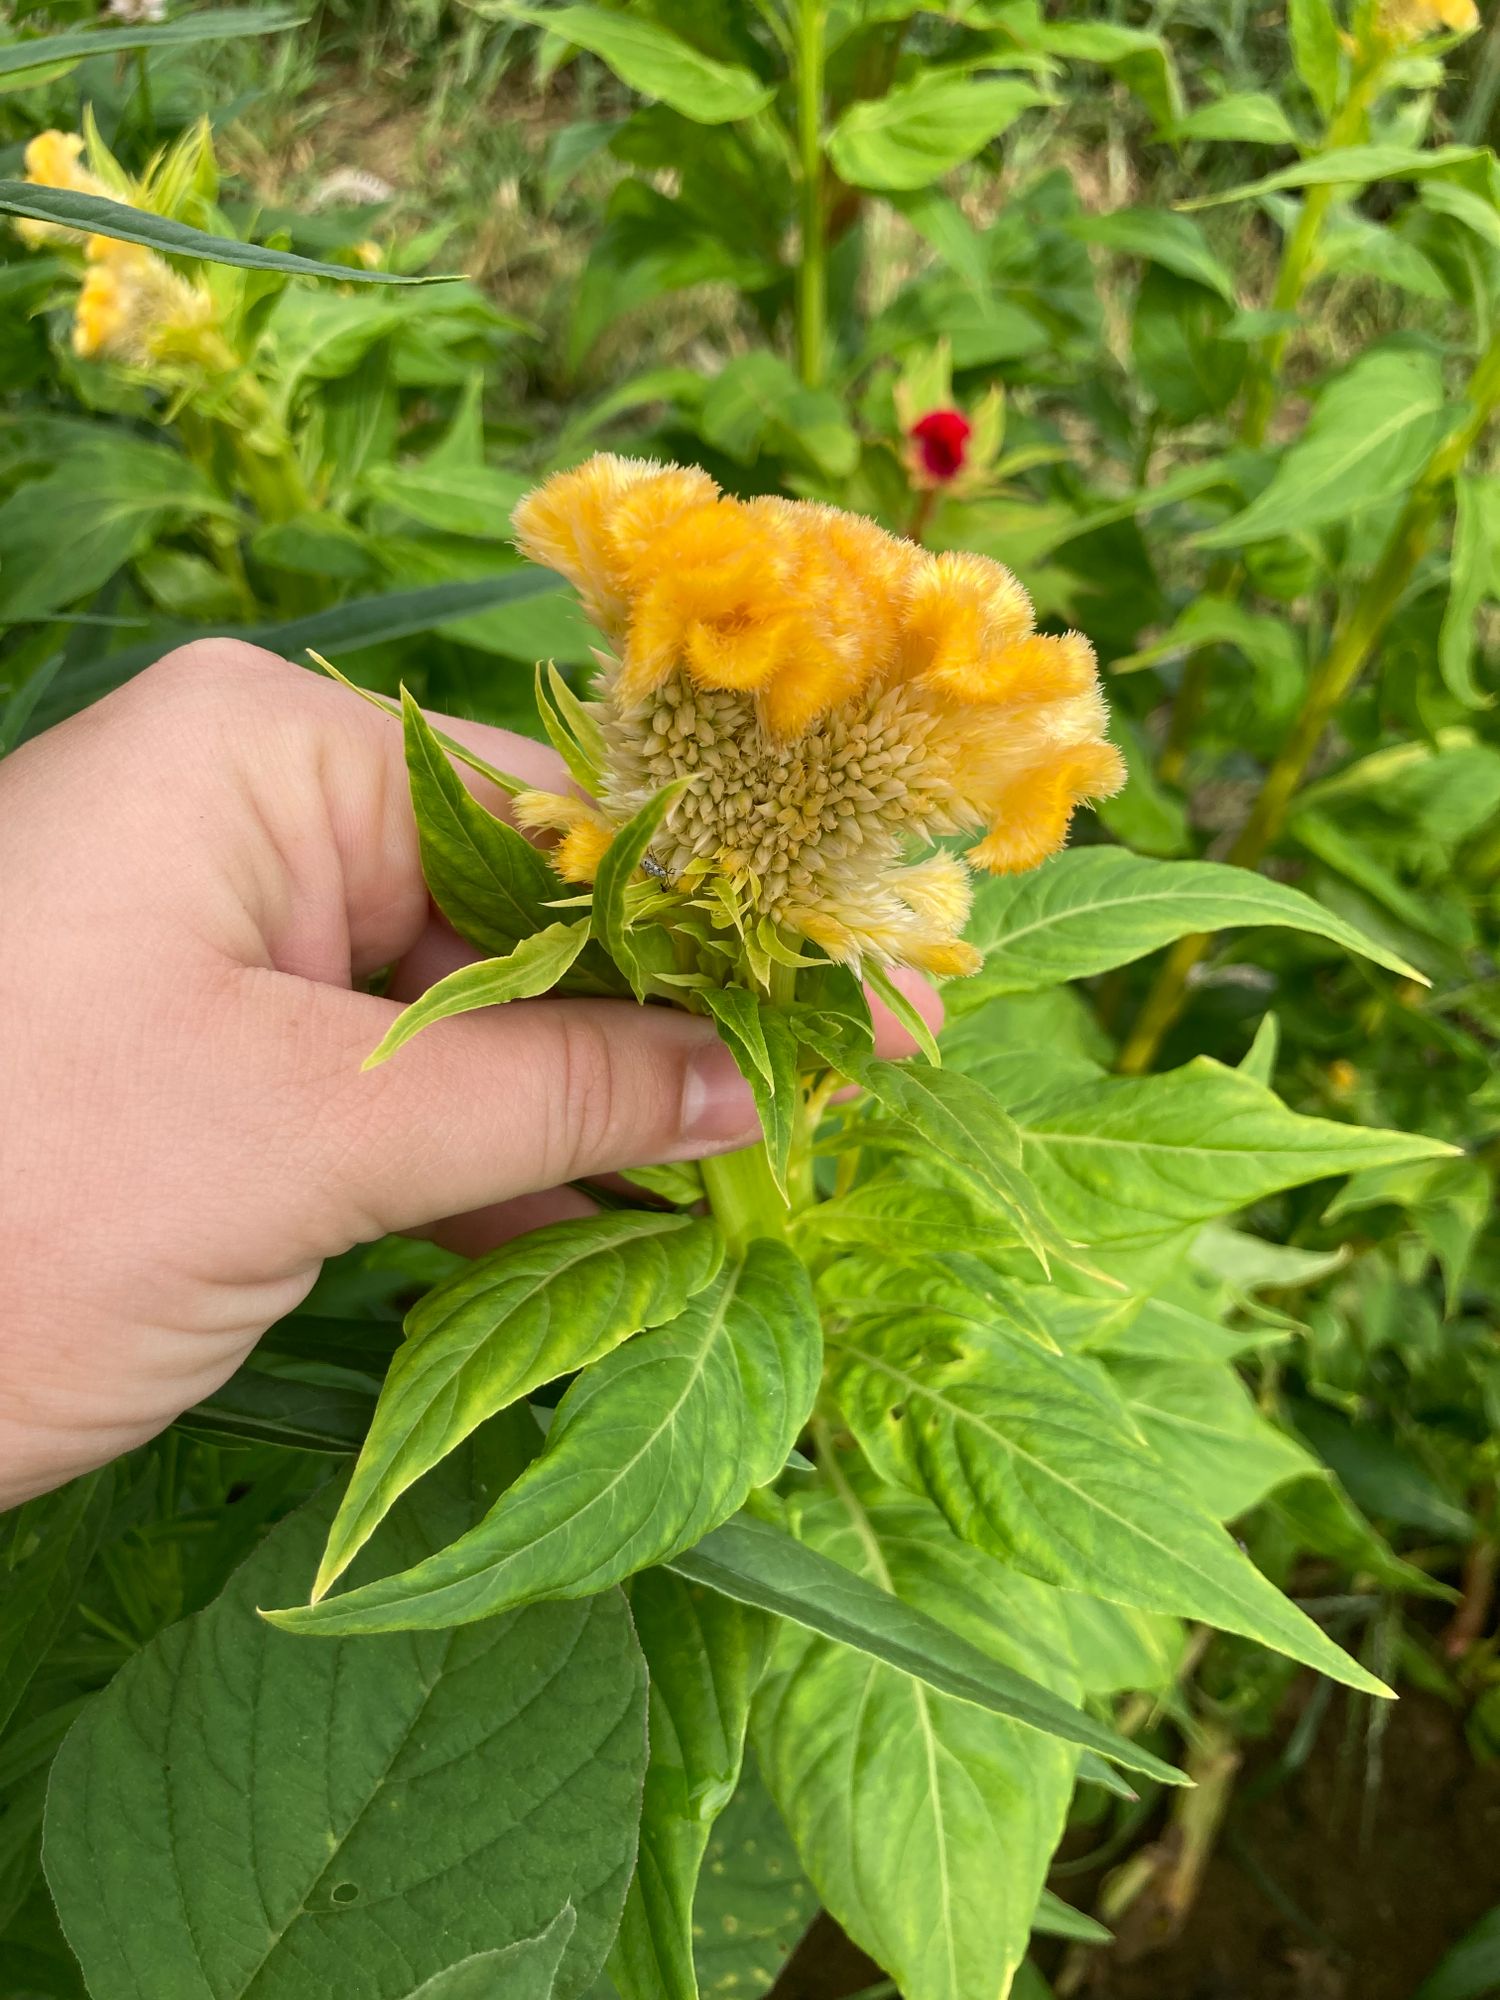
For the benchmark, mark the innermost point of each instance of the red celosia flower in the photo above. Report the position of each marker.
(941, 439)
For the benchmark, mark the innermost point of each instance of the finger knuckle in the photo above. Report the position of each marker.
(586, 1108)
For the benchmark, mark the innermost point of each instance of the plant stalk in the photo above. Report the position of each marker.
(744, 1197)
(812, 265)
(1354, 640)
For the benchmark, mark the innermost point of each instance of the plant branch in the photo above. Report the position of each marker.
(812, 272)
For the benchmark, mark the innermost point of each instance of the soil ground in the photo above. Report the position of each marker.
(1298, 1902)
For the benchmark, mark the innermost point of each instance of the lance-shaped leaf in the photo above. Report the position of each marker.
(548, 1303)
(705, 1654)
(914, 134)
(650, 1449)
(1032, 1457)
(905, 1218)
(1095, 908)
(926, 1824)
(1199, 1420)
(611, 914)
(243, 1816)
(1119, 1160)
(657, 63)
(97, 216)
(526, 1970)
(44, 1555)
(488, 880)
(217, 24)
(974, 1134)
(762, 1041)
(535, 965)
(763, 1565)
(1356, 166)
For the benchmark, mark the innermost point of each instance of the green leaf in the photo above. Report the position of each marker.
(1469, 1970)
(471, 500)
(1140, 59)
(526, 1970)
(763, 1043)
(973, 1133)
(96, 216)
(1094, 908)
(927, 1824)
(1472, 574)
(1199, 1420)
(705, 1654)
(1314, 31)
(45, 1553)
(1353, 167)
(488, 880)
(921, 130)
(650, 1449)
(262, 1406)
(754, 1902)
(907, 1016)
(611, 909)
(900, 1215)
(1243, 116)
(657, 63)
(240, 1813)
(1118, 1160)
(548, 1303)
(535, 965)
(1055, 1918)
(1369, 436)
(1031, 1457)
(215, 25)
(1160, 237)
(750, 1560)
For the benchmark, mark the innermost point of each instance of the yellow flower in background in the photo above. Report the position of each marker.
(55, 160)
(134, 307)
(837, 699)
(1403, 21)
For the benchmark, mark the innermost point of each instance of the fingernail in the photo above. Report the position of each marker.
(718, 1109)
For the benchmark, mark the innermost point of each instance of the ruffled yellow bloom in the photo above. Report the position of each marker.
(55, 160)
(1404, 21)
(837, 699)
(133, 306)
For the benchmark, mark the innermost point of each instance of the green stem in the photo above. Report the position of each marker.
(1354, 640)
(743, 1195)
(812, 272)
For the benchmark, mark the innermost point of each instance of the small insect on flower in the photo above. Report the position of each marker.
(836, 700)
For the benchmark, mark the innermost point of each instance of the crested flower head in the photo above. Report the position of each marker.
(1406, 21)
(133, 306)
(55, 160)
(835, 698)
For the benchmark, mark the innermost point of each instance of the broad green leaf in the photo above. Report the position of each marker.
(926, 1824)
(611, 912)
(1470, 1969)
(1369, 436)
(754, 1902)
(1314, 30)
(757, 400)
(1094, 908)
(548, 1303)
(96, 216)
(1199, 1420)
(258, 1405)
(1314, 1515)
(900, 1215)
(921, 130)
(1031, 1457)
(533, 966)
(759, 1564)
(1450, 1203)
(1161, 237)
(657, 63)
(762, 1042)
(1251, 116)
(705, 1654)
(241, 1813)
(650, 1448)
(45, 1552)
(1472, 576)
(488, 880)
(213, 25)
(1140, 59)
(526, 1970)
(1354, 167)
(456, 499)
(1125, 1159)
(1116, 1647)
(64, 535)
(973, 1133)
(1185, 367)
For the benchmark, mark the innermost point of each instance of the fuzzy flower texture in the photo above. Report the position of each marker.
(836, 699)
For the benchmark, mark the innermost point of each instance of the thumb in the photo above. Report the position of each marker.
(487, 1106)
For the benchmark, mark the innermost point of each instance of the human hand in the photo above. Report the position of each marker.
(197, 872)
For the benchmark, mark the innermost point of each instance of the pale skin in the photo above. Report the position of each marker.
(196, 876)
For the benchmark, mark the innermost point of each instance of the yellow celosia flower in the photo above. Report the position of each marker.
(55, 160)
(1404, 21)
(586, 833)
(133, 306)
(836, 697)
